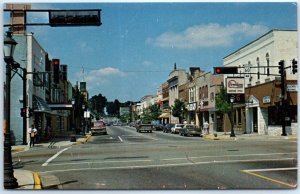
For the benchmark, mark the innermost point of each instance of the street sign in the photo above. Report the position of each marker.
(291, 88)
(247, 68)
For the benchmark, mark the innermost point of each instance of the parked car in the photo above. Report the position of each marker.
(158, 126)
(176, 128)
(189, 129)
(167, 127)
(98, 127)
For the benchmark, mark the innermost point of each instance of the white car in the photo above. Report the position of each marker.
(176, 128)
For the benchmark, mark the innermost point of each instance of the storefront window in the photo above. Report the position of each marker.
(275, 115)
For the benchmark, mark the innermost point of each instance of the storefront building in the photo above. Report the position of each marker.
(258, 64)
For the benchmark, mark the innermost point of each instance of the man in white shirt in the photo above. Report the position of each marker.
(32, 133)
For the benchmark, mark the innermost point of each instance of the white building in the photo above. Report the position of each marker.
(255, 60)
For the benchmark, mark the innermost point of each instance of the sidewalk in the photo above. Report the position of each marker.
(226, 136)
(28, 180)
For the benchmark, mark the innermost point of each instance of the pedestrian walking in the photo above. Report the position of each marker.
(32, 134)
(205, 126)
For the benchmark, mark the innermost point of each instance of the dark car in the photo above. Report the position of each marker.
(158, 126)
(189, 129)
(167, 127)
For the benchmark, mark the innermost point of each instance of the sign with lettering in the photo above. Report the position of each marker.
(191, 106)
(291, 88)
(236, 98)
(235, 85)
(266, 99)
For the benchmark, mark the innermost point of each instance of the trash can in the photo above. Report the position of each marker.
(73, 138)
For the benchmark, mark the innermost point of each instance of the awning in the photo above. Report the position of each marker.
(40, 105)
(165, 115)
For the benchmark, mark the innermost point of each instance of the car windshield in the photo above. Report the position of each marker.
(98, 124)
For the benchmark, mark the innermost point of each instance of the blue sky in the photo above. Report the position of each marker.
(132, 53)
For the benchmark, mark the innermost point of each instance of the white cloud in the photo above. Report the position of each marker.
(103, 75)
(204, 36)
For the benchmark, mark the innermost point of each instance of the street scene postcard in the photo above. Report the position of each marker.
(152, 96)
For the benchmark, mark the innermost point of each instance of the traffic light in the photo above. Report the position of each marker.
(23, 112)
(225, 70)
(55, 63)
(281, 67)
(294, 66)
(30, 110)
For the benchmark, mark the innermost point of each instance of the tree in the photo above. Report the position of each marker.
(221, 101)
(222, 104)
(97, 104)
(113, 108)
(154, 111)
(178, 109)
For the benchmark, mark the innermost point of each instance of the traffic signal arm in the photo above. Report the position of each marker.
(225, 70)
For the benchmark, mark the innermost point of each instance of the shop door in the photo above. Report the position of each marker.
(255, 125)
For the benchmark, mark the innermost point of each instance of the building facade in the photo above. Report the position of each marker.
(176, 78)
(258, 62)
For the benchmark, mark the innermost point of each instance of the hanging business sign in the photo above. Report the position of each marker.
(235, 85)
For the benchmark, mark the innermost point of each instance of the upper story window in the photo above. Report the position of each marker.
(268, 63)
(192, 94)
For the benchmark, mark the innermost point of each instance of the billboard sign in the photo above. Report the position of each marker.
(235, 85)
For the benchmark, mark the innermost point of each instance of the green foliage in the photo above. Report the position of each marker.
(221, 101)
(151, 113)
(178, 109)
(125, 118)
(155, 111)
(97, 104)
(113, 108)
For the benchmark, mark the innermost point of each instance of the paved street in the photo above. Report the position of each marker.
(125, 159)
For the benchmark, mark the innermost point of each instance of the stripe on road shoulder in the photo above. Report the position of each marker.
(254, 172)
(54, 156)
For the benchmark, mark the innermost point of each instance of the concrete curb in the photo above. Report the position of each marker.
(83, 140)
(37, 181)
(212, 137)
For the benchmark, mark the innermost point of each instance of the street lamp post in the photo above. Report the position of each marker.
(83, 120)
(73, 105)
(232, 131)
(10, 182)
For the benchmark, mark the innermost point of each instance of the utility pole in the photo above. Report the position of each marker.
(283, 107)
(24, 105)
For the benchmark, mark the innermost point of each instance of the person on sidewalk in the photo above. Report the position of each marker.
(205, 126)
(32, 133)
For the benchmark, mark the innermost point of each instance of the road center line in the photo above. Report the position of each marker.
(54, 156)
